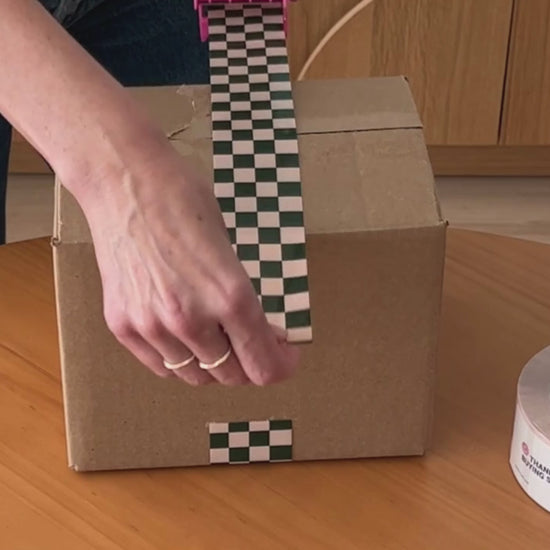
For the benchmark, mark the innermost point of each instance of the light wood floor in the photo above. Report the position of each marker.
(518, 207)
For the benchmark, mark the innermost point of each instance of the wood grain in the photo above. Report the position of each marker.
(462, 495)
(490, 160)
(526, 118)
(344, 53)
(452, 51)
(456, 76)
(454, 54)
(309, 21)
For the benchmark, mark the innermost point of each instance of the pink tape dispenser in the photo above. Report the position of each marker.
(203, 17)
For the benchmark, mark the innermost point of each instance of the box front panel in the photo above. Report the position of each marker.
(363, 389)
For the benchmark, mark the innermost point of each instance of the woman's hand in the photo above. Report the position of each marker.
(173, 286)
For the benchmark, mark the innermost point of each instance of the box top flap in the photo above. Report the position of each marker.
(354, 105)
(364, 162)
(322, 106)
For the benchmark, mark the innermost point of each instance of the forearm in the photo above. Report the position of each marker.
(61, 100)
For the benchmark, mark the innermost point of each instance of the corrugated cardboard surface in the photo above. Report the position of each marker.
(375, 250)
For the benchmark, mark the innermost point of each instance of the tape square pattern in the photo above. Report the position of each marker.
(248, 442)
(256, 159)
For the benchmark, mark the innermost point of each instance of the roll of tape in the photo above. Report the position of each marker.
(530, 450)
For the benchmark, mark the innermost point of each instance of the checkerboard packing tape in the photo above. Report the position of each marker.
(530, 449)
(256, 162)
(246, 442)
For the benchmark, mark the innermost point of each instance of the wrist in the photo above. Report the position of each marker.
(106, 158)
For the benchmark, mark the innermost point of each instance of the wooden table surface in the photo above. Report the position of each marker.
(462, 495)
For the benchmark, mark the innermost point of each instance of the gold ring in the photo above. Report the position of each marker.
(176, 366)
(218, 363)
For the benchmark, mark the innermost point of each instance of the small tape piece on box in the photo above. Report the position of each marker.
(247, 442)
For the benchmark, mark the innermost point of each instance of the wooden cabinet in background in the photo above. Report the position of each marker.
(309, 21)
(479, 71)
(526, 119)
(453, 53)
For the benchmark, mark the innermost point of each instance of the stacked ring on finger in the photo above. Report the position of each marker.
(177, 366)
(217, 363)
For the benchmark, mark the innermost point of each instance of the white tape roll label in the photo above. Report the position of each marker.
(530, 460)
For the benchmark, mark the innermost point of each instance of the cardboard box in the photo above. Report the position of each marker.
(375, 248)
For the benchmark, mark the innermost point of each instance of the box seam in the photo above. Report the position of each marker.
(360, 130)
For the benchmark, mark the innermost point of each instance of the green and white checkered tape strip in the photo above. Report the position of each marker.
(256, 161)
(246, 442)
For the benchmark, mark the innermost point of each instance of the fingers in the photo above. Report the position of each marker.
(210, 346)
(262, 350)
(152, 344)
(246, 350)
(258, 352)
(175, 352)
(265, 357)
(280, 334)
